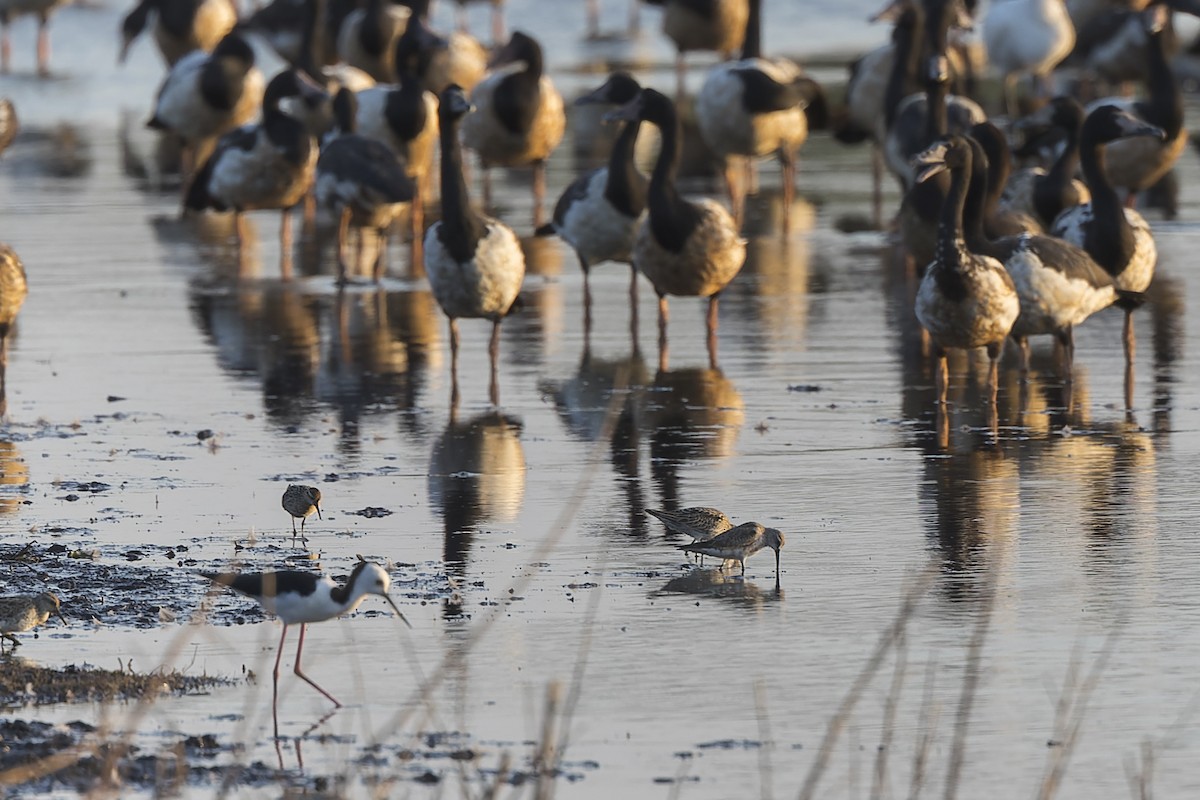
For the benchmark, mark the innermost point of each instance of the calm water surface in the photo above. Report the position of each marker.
(528, 518)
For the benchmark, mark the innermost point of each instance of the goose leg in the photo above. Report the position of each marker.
(539, 191)
(994, 350)
(487, 185)
(587, 297)
(680, 75)
(941, 378)
(497, 23)
(381, 248)
(1023, 347)
(1130, 352)
(1010, 96)
(239, 228)
(788, 159)
(343, 235)
(663, 316)
(453, 362)
(43, 45)
(593, 19)
(296, 669)
(711, 328)
(285, 244)
(493, 360)
(877, 185)
(5, 44)
(737, 194)
(1067, 338)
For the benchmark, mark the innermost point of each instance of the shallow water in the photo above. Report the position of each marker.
(527, 519)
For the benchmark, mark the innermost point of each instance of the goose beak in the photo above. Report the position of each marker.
(626, 113)
(594, 97)
(927, 171)
(396, 608)
(930, 161)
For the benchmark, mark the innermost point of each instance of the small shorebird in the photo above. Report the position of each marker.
(26, 612)
(738, 544)
(699, 522)
(301, 501)
(304, 597)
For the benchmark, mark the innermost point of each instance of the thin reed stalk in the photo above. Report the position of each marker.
(970, 685)
(889, 718)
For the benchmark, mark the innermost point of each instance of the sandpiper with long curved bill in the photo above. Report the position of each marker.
(297, 597)
(738, 544)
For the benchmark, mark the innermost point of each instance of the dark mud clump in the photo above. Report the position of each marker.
(41, 758)
(23, 682)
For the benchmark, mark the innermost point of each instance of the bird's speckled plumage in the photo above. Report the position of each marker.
(301, 502)
(25, 612)
(483, 287)
(699, 522)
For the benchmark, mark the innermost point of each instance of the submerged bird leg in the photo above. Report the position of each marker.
(994, 350)
(1067, 338)
(296, 669)
(1023, 347)
(493, 359)
(285, 244)
(587, 298)
(342, 236)
(539, 191)
(663, 316)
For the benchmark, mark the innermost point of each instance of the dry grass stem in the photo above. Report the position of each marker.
(908, 605)
(890, 705)
(970, 684)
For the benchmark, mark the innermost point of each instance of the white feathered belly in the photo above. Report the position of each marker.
(1072, 225)
(487, 284)
(984, 316)
(261, 177)
(711, 257)
(596, 230)
(1052, 300)
(367, 208)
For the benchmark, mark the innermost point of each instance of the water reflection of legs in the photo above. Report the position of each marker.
(788, 159)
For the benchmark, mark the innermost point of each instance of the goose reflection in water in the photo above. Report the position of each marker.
(14, 477)
(583, 403)
(476, 478)
(691, 414)
(716, 582)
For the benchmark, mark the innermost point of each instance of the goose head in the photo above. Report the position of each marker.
(1109, 123)
(293, 83)
(520, 47)
(453, 104)
(619, 89)
(950, 153)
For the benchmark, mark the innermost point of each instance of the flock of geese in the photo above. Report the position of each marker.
(373, 95)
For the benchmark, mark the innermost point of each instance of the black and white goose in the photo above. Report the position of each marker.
(43, 9)
(684, 248)
(1045, 193)
(283, 25)
(1058, 284)
(754, 107)
(456, 58)
(1137, 164)
(265, 166)
(909, 130)
(361, 179)
(206, 95)
(713, 25)
(518, 117)
(180, 26)
(1117, 238)
(475, 263)
(367, 39)
(404, 117)
(319, 117)
(965, 300)
(598, 214)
